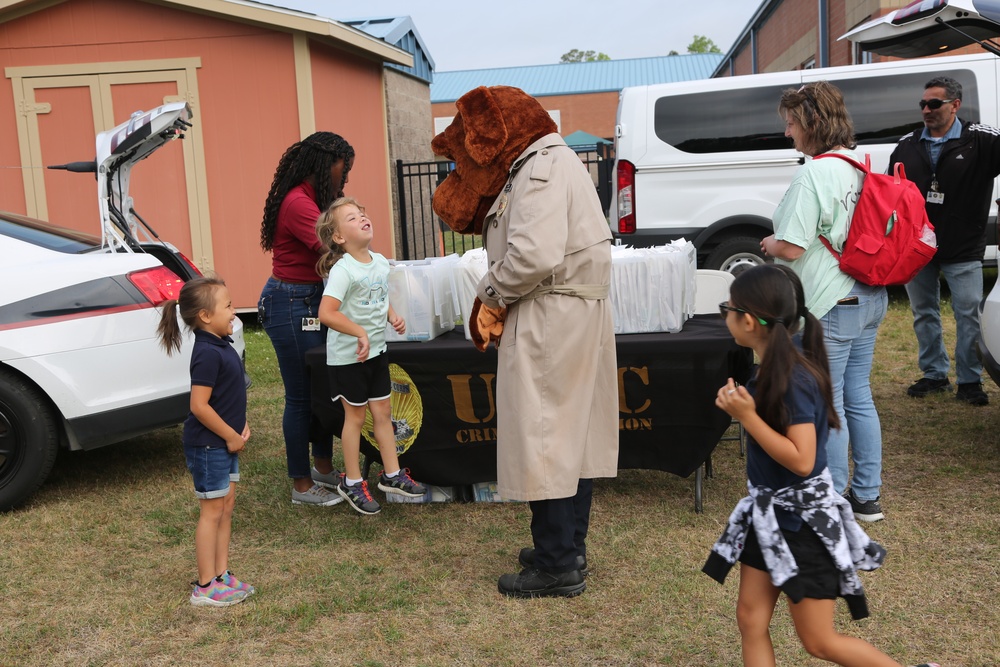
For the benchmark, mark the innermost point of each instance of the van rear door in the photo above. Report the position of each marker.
(928, 27)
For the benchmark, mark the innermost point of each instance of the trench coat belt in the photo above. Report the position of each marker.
(595, 292)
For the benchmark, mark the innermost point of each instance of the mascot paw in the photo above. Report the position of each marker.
(486, 324)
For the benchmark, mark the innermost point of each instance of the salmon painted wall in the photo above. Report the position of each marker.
(246, 111)
(590, 112)
(347, 94)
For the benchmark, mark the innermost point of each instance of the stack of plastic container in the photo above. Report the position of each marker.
(422, 292)
(652, 289)
(469, 270)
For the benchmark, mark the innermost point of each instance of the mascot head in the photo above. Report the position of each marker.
(492, 127)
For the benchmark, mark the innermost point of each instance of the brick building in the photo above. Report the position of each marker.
(788, 35)
(578, 96)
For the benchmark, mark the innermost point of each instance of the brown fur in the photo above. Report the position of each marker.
(492, 128)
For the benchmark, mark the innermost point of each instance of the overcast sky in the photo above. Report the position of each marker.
(471, 34)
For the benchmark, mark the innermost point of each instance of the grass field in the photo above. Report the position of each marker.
(94, 570)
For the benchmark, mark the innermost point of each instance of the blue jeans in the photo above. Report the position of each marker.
(212, 469)
(849, 335)
(280, 311)
(965, 280)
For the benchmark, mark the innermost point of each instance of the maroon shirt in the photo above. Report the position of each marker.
(296, 248)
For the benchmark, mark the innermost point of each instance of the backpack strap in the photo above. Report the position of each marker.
(866, 167)
(829, 246)
(863, 168)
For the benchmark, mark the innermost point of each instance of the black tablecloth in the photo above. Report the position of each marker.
(666, 382)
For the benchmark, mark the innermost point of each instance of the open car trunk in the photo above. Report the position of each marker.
(926, 27)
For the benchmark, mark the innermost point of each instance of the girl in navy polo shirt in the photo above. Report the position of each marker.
(214, 432)
(794, 533)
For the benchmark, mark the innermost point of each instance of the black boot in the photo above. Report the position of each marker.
(534, 583)
(527, 559)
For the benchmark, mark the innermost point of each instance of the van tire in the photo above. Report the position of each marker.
(735, 255)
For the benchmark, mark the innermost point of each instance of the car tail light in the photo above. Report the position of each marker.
(626, 197)
(157, 284)
(194, 268)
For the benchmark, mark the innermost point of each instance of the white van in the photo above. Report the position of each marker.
(708, 160)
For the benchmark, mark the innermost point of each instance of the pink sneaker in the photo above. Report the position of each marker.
(216, 594)
(229, 580)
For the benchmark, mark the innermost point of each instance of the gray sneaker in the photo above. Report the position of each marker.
(868, 511)
(330, 480)
(316, 495)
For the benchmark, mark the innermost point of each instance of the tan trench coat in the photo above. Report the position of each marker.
(557, 390)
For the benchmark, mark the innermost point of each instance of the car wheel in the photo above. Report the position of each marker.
(29, 440)
(735, 255)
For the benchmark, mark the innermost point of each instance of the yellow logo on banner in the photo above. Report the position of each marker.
(407, 411)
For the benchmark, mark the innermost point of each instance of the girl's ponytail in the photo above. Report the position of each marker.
(196, 295)
(168, 330)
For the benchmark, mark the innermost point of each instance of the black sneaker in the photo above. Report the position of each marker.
(401, 485)
(534, 583)
(869, 511)
(972, 393)
(358, 496)
(925, 386)
(527, 559)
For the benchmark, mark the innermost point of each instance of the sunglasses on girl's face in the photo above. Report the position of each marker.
(725, 309)
(934, 103)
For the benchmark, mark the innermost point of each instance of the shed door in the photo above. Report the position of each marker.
(63, 116)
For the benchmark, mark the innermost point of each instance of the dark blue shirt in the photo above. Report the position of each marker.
(805, 405)
(215, 364)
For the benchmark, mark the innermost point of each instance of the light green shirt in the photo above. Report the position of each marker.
(363, 292)
(820, 200)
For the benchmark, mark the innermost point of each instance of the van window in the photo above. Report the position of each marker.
(883, 108)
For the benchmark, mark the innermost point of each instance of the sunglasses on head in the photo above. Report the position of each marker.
(934, 103)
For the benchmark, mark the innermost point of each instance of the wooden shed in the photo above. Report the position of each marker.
(257, 77)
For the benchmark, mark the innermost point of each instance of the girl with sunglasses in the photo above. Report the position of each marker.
(794, 533)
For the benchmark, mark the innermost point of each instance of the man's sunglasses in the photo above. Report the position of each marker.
(934, 103)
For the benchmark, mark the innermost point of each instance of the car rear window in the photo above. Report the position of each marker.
(47, 235)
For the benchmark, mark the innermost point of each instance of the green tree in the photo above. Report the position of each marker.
(577, 56)
(702, 44)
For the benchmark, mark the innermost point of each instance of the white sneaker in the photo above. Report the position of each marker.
(316, 495)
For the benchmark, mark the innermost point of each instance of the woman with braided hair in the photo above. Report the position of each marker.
(310, 175)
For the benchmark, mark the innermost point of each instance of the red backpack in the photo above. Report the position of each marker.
(889, 238)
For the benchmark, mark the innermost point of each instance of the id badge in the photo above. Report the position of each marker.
(935, 197)
(310, 324)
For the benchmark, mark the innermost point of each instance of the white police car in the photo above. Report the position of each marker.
(80, 363)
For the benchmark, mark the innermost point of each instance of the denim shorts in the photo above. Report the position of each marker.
(212, 469)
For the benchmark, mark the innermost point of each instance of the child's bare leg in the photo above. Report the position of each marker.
(206, 536)
(814, 625)
(222, 536)
(350, 438)
(384, 435)
(754, 610)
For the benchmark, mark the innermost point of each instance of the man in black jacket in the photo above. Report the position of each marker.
(954, 164)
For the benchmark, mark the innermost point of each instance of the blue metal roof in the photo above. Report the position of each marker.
(400, 32)
(575, 78)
